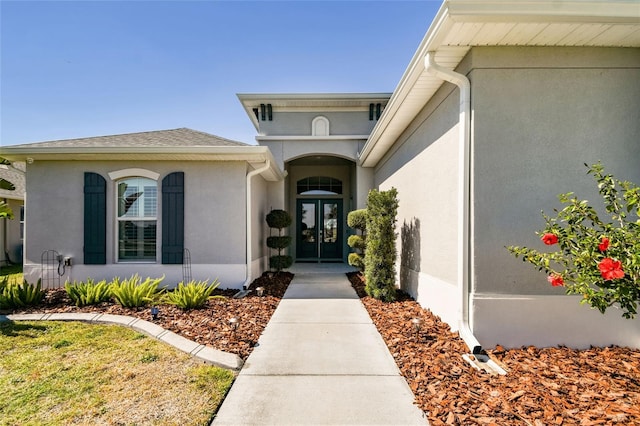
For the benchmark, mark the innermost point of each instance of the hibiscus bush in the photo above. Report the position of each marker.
(595, 258)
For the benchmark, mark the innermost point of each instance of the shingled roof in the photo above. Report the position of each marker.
(15, 175)
(174, 137)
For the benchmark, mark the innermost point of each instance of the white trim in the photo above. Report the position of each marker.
(230, 275)
(515, 320)
(124, 173)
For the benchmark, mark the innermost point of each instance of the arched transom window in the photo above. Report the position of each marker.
(319, 185)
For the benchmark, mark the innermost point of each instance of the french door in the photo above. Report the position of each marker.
(319, 230)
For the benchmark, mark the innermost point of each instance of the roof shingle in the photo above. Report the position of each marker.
(174, 137)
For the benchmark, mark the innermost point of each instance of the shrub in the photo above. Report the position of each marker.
(599, 260)
(134, 293)
(357, 219)
(279, 243)
(192, 295)
(380, 254)
(88, 293)
(356, 260)
(279, 219)
(20, 295)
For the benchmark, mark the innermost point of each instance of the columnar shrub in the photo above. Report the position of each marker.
(279, 219)
(597, 259)
(380, 253)
(357, 219)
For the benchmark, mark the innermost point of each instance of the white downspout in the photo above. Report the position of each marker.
(464, 185)
(251, 174)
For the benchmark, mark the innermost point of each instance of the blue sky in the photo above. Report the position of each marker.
(88, 68)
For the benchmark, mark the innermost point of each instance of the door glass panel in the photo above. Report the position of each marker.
(308, 224)
(330, 223)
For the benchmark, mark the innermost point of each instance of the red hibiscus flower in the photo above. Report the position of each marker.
(549, 239)
(604, 244)
(555, 280)
(610, 269)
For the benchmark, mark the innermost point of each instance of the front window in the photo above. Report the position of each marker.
(137, 219)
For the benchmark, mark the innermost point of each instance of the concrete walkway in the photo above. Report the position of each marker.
(320, 361)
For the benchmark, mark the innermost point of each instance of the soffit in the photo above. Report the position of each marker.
(461, 25)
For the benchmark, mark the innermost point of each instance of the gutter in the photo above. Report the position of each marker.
(251, 174)
(464, 190)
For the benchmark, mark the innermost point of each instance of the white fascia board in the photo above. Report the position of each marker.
(614, 11)
(440, 26)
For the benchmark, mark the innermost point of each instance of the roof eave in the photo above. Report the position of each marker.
(452, 11)
(250, 154)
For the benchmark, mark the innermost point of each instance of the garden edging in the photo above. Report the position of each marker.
(202, 352)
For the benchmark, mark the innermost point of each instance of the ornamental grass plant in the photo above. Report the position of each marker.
(88, 293)
(135, 293)
(192, 295)
(597, 259)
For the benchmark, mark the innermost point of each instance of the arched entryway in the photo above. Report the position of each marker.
(320, 195)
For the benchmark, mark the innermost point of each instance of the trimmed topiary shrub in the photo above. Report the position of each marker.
(279, 219)
(357, 219)
(380, 253)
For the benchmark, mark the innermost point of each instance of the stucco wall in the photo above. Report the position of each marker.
(299, 123)
(422, 166)
(214, 219)
(284, 151)
(538, 115)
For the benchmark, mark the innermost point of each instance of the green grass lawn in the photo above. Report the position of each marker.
(60, 373)
(14, 272)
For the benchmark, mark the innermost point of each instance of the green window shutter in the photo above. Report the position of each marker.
(95, 219)
(173, 218)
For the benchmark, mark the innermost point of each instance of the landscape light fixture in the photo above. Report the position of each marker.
(234, 323)
(260, 291)
(155, 311)
(417, 324)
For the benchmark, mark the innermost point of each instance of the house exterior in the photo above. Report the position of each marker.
(12, 186)
(495, 115)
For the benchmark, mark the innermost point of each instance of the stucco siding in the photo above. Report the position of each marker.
(422, 166)
(284, 151)
(533, 128)
(538, 115)
(214, 218)
(299, 123)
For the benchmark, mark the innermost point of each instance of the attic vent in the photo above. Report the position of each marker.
(375, 110)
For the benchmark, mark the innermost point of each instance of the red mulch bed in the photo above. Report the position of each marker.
(551, 386)
(207, 326)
